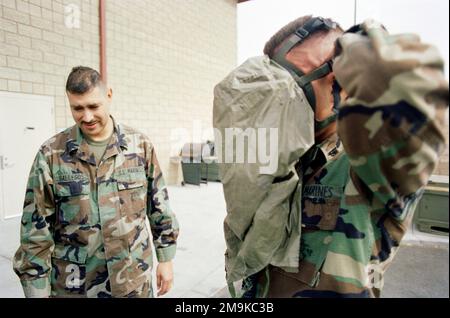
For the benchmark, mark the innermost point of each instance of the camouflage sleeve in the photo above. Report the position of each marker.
(392, 123)
(32, 261)
(163, 222)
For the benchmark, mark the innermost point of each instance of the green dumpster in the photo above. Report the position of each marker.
(199, 163)
(432, 212)
(213, 172)
(210, 171)
(210, 168)
(191, 173)
(191, 163)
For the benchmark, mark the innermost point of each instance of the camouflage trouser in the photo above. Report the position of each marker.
(281, 284)
(287, 285)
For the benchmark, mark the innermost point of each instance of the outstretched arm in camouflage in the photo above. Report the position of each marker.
(164, 277)
(392, 123)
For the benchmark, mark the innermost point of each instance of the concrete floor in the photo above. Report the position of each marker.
(418, 272)
(421, 268)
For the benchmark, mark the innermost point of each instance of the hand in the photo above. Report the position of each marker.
(164, 277)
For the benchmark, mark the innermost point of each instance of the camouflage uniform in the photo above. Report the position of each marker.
(361, 185)
(84, 227)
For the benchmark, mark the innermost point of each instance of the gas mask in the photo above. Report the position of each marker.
(304, 80)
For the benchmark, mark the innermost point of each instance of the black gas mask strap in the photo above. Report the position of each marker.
(305, 81)
(280, 56)
(319, 72)
(319, 125)
(297, 37)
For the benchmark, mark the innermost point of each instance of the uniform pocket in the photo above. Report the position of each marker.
(72, 201)
(72, 188)
(73, 254)
(69, 271)
(132, 191)
(320, 208)
(129, 182)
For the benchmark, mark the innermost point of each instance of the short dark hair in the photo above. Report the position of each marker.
(287, 30)
(82, 79)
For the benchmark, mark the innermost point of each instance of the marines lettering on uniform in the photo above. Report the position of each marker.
(84, 226)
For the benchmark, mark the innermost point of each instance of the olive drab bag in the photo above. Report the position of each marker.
(262, 111)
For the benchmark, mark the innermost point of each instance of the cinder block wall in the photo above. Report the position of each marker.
(164, 58)
(37, 50)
